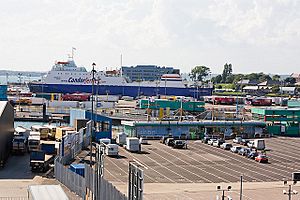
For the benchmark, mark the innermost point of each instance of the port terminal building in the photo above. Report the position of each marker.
(103, 124)
(193, 129)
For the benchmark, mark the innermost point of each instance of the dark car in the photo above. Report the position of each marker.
(244, 151)
(252, 154)
(180, 144)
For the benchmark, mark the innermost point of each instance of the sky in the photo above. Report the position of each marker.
(254, 36)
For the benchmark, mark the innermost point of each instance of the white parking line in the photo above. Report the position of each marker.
(254, 165)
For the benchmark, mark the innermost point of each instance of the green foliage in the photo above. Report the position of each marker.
(275, 89)
(290, 80)
(216, 79)
(227, 71)
(276, 77)
(198, 73)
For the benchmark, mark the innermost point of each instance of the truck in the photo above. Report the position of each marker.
(111, 150)
(34, 141)
(19, 144)
(259, 144)
(40, 161)
(42, 129)
(121, 138)
(51, 131)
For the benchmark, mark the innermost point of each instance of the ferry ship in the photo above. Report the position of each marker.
(66, 77)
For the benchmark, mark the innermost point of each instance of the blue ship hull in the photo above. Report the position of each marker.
(132, 91)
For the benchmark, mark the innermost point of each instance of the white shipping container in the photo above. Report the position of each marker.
(63, 104)
(121, 138)
(37, 100)
(111, 98)
(112, 150)
(46, 192)
(133, 144)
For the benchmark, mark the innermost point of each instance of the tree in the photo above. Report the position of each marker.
(198, 73)
(217, 79)
(276, 77)
(290, 80)
(227, 71)
(275, 89)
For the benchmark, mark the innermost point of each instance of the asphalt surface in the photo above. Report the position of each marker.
(202, 163)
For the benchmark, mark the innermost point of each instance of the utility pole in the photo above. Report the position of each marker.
(92, 116)
(241, 189)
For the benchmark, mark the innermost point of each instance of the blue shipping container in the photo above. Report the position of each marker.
(48, 148)
(3, 92)
(78, 169)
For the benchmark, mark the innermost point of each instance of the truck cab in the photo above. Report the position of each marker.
(34, 141)
(19, 144)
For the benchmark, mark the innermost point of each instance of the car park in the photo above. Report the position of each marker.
(261, 158)
(235, 149)
(237, 140)
(211, 141)
(226, 146)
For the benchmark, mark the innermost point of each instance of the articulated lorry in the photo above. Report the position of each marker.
(40, 160)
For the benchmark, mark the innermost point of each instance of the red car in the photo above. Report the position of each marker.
(261, 158)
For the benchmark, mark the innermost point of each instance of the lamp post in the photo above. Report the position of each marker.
(290, 191)
(92, 115)
(219, 188)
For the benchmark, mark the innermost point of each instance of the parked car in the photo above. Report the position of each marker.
(252, 154)
(163, 139)
(244, 142)
(226, 146)
(170, 142)
(206, 139)
(218, 143)
(211, 141)
(244, 151)
(250, 144)
(235, 149)
(237, 140)
(180, 144)
(261, 158)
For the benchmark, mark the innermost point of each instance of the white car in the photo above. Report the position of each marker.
(211, 141)
(226, 146)
(250, 144)
(235, 149)
(237, 140)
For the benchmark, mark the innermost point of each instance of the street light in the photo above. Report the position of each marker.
(92, 116)
(219, 188)
(290, 191)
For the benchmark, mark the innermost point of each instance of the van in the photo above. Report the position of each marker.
(111, 150)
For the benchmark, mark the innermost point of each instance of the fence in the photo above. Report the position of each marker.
(79, 185)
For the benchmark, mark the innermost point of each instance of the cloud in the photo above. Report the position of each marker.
(253, 35)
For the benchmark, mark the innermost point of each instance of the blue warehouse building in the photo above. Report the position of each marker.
(103, 124)
(147, 72)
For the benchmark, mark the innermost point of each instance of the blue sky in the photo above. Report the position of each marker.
(253, 35)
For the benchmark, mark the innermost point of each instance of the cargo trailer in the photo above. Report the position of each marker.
(46, 192)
